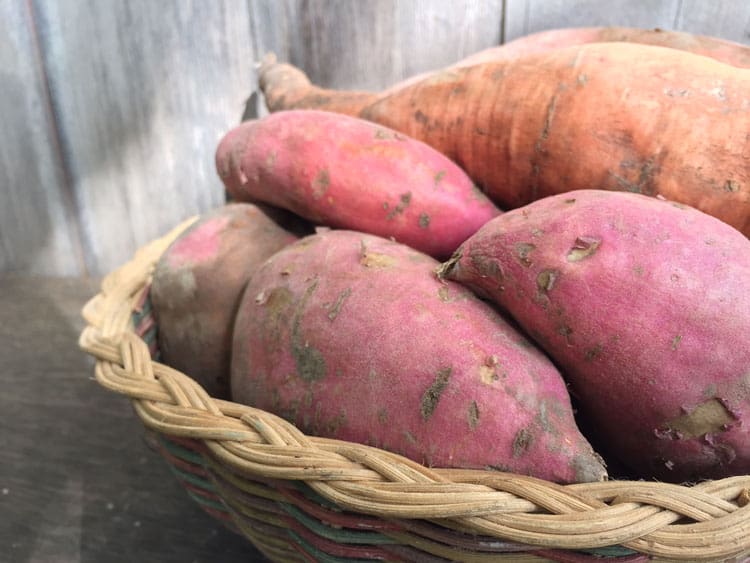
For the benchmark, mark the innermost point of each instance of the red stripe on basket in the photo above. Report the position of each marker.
(560, 556)
(340, 519)
(146, 324)
(189, 443)
(303, 552)
(333, 548)
(200, 492)
(182, 464)
(223, 516)
(412, 554)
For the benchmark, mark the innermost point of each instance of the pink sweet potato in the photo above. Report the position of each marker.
(348, 173)
(197, 284)
(645, 307)
(352, 336)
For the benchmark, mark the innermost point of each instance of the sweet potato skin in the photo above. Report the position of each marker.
(348, 173)
(352, 336)
(729, 52)
(198, 281)
(645, 307)
(615, 116)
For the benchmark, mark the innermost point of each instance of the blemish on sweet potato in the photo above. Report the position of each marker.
(567, 332)
(310, 363)
(732, 186)
(488, 374)
(708, 417)
(377, 260)
(583, 247)
(523, 249)
(676, 342)
(545, 280)
(522, 442)
(276, 302)
(271, 159)
(473, 415)
(484, 265)
(431, 397)
(383, 416)
(336, 307)
(424, 220)
(444, 294)
(410, 437)
(321, 183)
(438, 177)
(404, 202)
(593, 353)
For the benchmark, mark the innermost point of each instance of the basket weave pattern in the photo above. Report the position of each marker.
(304, 498)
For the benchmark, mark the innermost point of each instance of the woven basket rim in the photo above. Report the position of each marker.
(706, 521)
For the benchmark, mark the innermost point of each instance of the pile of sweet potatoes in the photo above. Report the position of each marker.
(540, 248)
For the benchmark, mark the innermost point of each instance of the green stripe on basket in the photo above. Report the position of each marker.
(207, 502)
(183, 453)
(339, 535)
(320, 555)
(612, 551)
(310, 494)
(194, 479)
(149, 336)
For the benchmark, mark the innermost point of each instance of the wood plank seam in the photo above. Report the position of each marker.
(67, 195)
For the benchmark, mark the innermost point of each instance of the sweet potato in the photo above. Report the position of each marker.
(645, 307)
(197, 284)
(348, 173)
(352, 336)
(614, 116)
(729, 52)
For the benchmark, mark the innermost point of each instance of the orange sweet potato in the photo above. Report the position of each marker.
(730, 52)
(616, 116)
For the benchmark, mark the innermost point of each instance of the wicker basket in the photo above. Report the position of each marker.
(302, 498)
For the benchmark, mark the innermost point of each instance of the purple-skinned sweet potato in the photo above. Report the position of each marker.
(352, 336)
(344, 172)
(644, 305)
(198, 281)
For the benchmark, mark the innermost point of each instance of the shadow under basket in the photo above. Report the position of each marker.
(305, 498)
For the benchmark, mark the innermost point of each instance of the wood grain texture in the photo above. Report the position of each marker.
(142, 92)
(729, 19)
(78, 484)
(371, 45)
(38, 231)
(528, 16)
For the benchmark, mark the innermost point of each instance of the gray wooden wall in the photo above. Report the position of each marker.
(110, 110)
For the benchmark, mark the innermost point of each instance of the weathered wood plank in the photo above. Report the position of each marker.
(371, 45)
(528, 16)
(143, 91)
(77, 481)
(38, 232)
(729, 19)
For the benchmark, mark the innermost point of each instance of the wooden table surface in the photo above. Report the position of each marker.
(77, 481)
